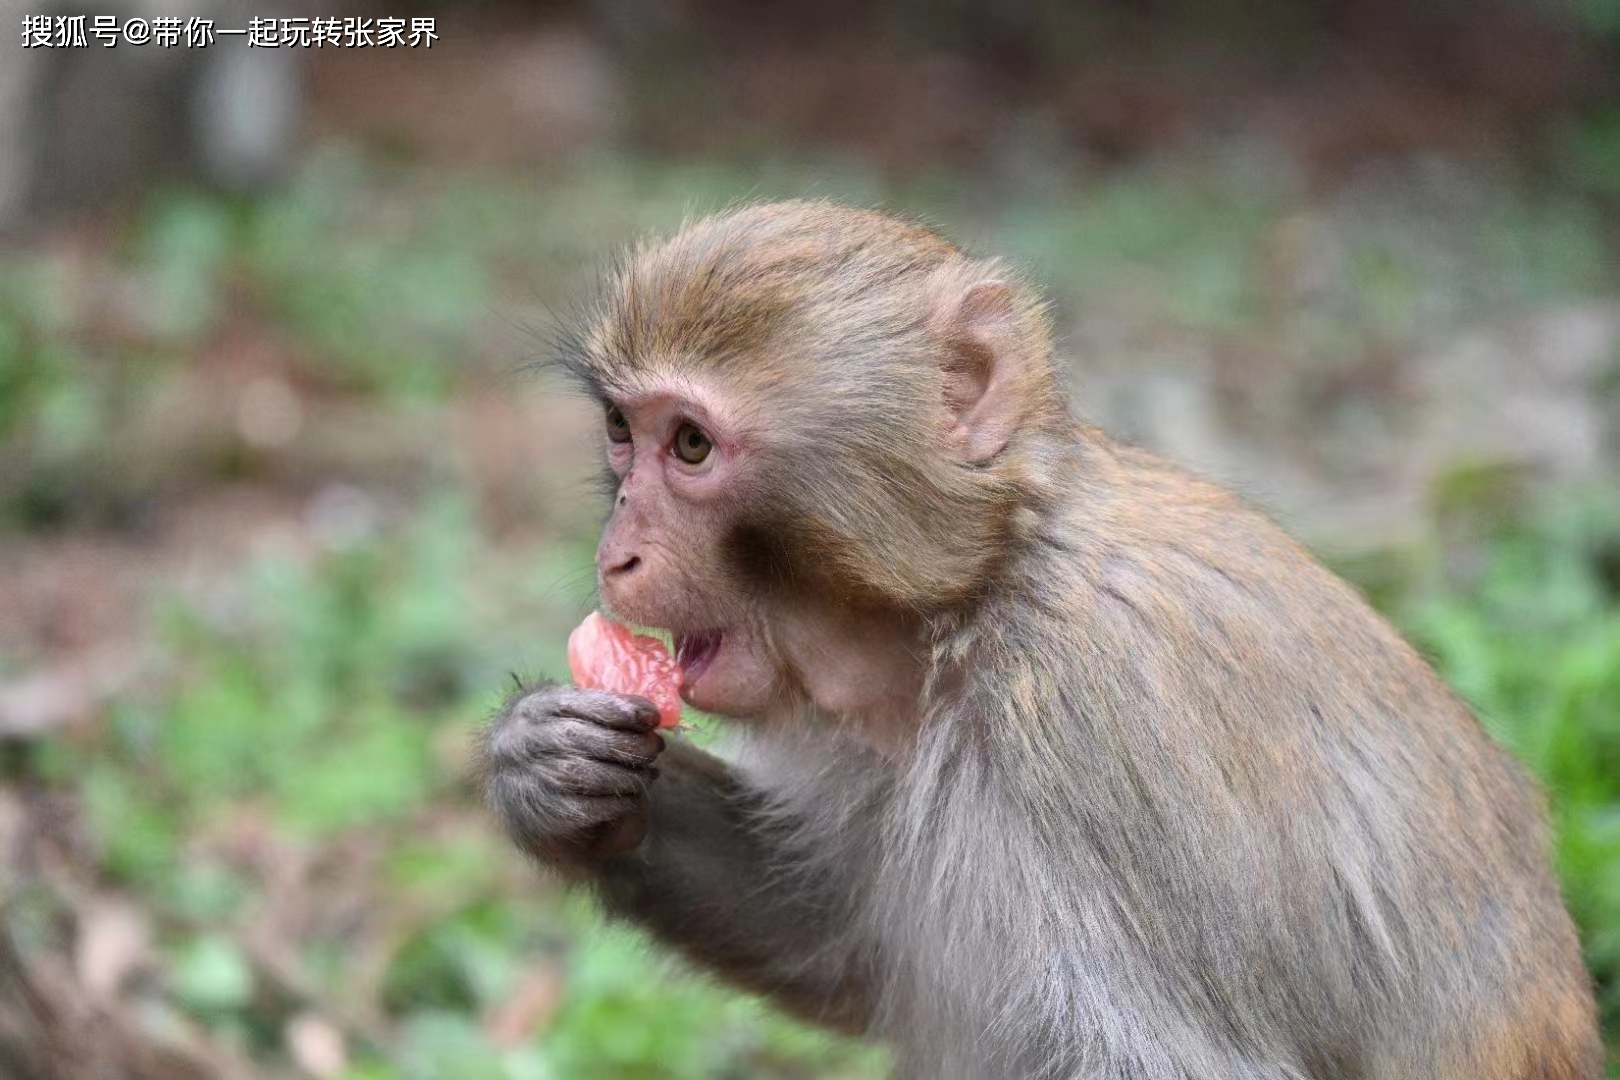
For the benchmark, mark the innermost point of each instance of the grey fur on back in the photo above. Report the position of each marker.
(1166, 821)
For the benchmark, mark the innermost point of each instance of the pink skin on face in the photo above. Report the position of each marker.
(658, 564)
(665, 503)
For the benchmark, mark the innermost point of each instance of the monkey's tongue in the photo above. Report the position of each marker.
(694, 653)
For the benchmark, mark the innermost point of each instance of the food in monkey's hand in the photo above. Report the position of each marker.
(603, 655)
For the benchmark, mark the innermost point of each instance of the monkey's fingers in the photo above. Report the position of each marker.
(621, 747)
(590, 779)
(566, 737)
(542, 803)
(627, 712)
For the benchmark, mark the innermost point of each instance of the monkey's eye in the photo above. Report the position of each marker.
(691, 445)
(618, 428)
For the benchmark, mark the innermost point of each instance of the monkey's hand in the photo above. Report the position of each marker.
(567, 771)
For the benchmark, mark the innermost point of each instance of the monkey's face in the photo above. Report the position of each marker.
(682, 466)
(808, 421)
(708, 540)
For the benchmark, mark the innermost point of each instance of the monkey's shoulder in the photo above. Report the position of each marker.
(1164, 537)
(1155, 568)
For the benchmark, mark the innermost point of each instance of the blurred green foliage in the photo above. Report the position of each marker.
(330, 696)
(1593, 148)
(1600, 17)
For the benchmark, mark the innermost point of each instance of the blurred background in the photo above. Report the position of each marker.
(282, 505)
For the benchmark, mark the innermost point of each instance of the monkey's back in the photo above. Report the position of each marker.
(1328, 841)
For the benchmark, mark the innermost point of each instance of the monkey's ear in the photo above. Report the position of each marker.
(985, 363)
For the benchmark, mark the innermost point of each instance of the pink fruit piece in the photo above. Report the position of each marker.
(606, 656)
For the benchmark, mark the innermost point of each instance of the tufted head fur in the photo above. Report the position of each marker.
(847, 340)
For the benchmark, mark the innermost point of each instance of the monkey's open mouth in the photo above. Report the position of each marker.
(695, 652)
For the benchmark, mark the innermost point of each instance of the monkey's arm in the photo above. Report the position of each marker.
(712, 878)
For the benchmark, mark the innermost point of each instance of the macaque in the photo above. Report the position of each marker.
(1053, 761)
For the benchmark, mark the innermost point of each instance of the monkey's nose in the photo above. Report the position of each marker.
(621, 567)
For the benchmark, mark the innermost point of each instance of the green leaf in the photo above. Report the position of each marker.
(211, 975)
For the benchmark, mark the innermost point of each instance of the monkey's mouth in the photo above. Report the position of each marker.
(695, 652)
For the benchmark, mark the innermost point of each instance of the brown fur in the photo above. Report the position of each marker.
(785, 302)
(1172, 801)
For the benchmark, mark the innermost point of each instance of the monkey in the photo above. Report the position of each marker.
(1051, 760)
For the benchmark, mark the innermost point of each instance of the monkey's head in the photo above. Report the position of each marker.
(815, 417)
